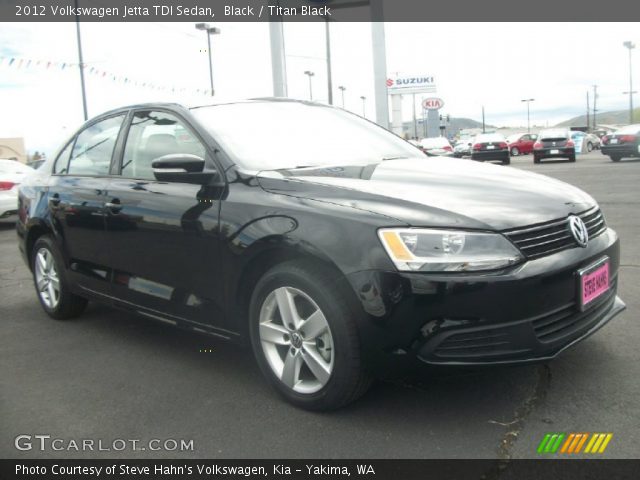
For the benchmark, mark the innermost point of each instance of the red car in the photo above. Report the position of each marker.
(521, 143)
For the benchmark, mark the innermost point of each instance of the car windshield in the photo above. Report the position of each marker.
(283, 134)
(13, 166)
(551, 134)
(514, 138)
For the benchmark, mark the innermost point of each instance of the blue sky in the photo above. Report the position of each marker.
(475, 64)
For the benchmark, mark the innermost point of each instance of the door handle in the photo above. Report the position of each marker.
(114, 206)
(54, 201)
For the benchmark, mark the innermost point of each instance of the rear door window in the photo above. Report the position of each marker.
(92, 152)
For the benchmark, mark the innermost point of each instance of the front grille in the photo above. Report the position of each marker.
(566, 321)
(546, 238)
(491, 342)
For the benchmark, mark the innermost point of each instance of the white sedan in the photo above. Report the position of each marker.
(11, 174)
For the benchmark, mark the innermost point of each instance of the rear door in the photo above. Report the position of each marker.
(527, 143)
(76, 199)
(163, 236)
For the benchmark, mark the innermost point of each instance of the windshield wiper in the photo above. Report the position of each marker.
(399, 157)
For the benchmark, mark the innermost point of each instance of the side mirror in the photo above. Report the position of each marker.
(182, 167)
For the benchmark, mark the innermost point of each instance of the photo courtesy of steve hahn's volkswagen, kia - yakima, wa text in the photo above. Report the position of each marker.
(267, 230)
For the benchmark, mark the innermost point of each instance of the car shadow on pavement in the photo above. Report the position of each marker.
(5, 226)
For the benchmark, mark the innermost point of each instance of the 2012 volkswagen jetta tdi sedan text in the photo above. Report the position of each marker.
(333, 247)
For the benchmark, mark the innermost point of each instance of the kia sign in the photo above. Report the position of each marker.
(433, 103)
(411, 84)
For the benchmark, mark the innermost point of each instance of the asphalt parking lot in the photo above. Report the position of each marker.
(110, 375)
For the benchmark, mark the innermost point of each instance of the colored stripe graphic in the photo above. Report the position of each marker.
(551, 442)
(573, 443)
(598, 443)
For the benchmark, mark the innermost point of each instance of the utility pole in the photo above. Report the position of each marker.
(595, 99)
(630, 46)
(364, 106)
(81, 65)
(588, 110)
(483, 129)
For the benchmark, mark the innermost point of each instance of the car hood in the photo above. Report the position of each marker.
(436, 191)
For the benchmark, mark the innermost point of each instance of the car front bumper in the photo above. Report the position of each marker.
(528, 314)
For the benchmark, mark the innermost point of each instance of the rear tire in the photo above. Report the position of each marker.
(506, 161)
(323, 378)
(589, 147)
(51, 283)
(536, 159)
(615, 159)
(572, 159)
(514, 151)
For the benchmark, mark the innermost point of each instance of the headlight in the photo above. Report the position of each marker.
(427, 250)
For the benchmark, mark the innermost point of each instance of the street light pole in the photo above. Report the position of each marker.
(528, 100)
(364, 106)
(81, 66)
(342, 89)
(209, 31)
(630, 45)
(328, 51)
(310, 74)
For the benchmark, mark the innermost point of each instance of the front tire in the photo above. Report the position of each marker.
(615, 158)
(304, 337)
(589, 147)
(572, 159)
(536, 159)
(51, 283)
(515, 151)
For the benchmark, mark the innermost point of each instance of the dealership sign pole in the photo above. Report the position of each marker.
(409, 85)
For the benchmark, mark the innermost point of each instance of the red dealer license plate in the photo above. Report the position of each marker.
(594, 282)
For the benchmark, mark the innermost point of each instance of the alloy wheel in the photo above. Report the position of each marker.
(47, 280)
(296, 340)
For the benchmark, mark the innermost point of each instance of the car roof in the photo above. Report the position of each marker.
(179, 106)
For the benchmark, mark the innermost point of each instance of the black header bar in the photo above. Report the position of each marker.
(316, 10)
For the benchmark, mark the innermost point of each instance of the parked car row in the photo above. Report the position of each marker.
(11, 174)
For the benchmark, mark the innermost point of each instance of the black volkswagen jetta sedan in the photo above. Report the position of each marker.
(331, 246)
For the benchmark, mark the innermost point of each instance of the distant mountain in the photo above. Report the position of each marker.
(616, 117)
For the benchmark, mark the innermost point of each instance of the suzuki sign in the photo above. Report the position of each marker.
(411, 84)
(433, 103)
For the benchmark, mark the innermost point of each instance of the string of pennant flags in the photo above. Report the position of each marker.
(26, 63)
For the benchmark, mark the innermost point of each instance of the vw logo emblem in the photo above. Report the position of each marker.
(579, 230)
